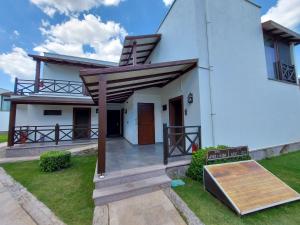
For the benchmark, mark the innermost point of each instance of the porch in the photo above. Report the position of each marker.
(120, 84)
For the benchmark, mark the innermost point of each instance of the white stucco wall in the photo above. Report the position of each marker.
(60, 72)
(4, 119)
(33, 115)
(151, 95)
(248, 108)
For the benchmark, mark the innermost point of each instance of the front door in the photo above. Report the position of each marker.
(176, 119)
(113, 123)
(81, 123)
(146, 130)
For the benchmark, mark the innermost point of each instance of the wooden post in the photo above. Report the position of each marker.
(16, 86)
(165, 137)
(56, 131)
(102, 125)
(199, 134)
(12, 124)
(37, 76)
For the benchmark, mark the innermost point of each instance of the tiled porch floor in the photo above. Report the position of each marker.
(121, 155)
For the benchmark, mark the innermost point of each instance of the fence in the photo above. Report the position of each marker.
(57, 133)
(180, 141)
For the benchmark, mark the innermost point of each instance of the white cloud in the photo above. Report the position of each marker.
(70, 38)
(69, 7)
(168, 2)
(16, 33)
(17, 64)
(285, 12)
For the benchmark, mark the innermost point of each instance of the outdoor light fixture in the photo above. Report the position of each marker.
(190, 98)
(125, 111)
(164, 108)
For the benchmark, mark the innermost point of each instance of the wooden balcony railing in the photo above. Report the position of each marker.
(180, 141)
(286, 72)
(23, 87)
(56, 134)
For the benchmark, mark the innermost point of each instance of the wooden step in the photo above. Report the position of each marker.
(119, 192)
(128, 176)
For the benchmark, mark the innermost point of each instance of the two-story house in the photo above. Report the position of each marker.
(212, 67)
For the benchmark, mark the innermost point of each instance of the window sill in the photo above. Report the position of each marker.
(282, 81)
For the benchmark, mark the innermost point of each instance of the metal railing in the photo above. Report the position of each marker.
(23, 87)
(180, 140)
(57, 133)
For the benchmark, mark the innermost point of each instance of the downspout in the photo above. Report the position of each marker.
(212, 114)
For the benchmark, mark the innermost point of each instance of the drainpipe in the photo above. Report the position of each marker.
(207, 28)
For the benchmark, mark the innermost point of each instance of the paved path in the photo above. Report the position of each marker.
(150, 209)
(11, 212)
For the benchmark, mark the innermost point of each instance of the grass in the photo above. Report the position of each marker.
(3, 138)
(211, 211)
(67, 193)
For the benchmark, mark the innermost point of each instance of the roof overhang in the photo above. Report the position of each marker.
(70, 62)
(47, 100)
(145, 44)
(280, 32)
(123, 81)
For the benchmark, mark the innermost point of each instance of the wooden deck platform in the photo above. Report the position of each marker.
(247, 187)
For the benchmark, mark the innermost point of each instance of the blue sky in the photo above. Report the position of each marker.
(33, 26)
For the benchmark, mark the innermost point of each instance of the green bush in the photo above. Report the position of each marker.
(195, 170)
(55, 160)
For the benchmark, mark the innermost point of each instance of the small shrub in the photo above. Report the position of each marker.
(55, 160)
(195, 170)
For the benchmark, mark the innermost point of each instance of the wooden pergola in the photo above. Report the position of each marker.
(111, 85)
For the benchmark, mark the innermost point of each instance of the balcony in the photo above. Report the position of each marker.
(286, 72)
(24, 87)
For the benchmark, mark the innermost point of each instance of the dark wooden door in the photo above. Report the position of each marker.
(146, 129)
(113, 123)
(176, 118)
(81, 123)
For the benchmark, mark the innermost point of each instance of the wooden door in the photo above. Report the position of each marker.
(146, 129)
(81, 123)
(176, 118)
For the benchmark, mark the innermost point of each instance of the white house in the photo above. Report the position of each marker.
(4, 109)
(211, 64)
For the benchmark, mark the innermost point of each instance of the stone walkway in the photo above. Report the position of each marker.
(11, 212)
(20, 207)
(150, 209)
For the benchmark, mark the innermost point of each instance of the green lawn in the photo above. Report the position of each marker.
(3, 138)
(67, 193)
(211, 211)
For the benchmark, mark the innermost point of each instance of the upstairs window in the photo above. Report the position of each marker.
(279, 60)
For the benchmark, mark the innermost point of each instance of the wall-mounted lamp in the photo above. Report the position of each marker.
(164, 108)
(125, 111)
(190, 98)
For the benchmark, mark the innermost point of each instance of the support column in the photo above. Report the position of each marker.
(102, 114)
(37, 76)
(12, 124)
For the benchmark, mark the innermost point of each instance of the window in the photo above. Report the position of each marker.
(5, 105)
(279, 60)
(52, 112)
(270, 57)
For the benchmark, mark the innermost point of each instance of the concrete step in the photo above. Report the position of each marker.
(128, 176)
(119, 192)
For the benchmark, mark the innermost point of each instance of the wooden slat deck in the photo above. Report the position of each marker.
(250, 187)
